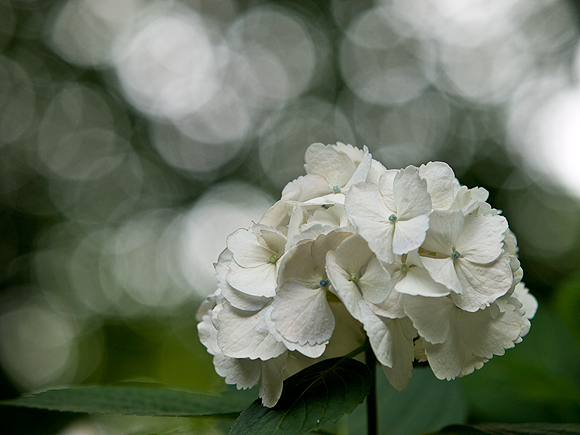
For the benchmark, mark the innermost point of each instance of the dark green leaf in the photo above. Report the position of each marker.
(317, 395)
(512, 429)
(133, 400)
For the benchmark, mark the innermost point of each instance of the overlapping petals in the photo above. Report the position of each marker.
(421, 266)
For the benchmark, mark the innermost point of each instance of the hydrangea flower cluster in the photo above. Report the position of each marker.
(422, 266)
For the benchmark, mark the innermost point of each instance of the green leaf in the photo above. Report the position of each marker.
(134, 400)
(319, 394)
(537, 381)
(426, 405)
(512, 429)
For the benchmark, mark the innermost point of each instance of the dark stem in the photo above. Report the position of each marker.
(372, 418)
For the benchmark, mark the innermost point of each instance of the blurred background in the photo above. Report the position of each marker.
(135, 135)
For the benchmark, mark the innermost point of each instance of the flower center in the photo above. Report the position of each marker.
(355, 277)
(324, 282)
(455, 255)
(336, 189)
(392, 218)
(404, 267)
(273, 258)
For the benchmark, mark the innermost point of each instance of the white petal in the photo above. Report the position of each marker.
(335, 165)
(417, 281)
(306, 187)
(441, 183)
(346, 290)
(411, 196)
(298, 266)
(392, 307)
(482, 284)
(362, 170)
(392, 343)
(375, 283)
(481, 238)
(386, 187)
(242, 372)
(442, 270)
(271, 379)
(486, 336)
(302, 315)
(255, 281)
(404, 353)
(246, 249)
(409, 234)
(452, 359)
(243, 334)
(310, 351)
(353, 253)
(244, 301)
(430, 316)
(530, 303)
(444, 230)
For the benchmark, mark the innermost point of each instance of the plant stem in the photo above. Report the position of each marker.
(372, 417)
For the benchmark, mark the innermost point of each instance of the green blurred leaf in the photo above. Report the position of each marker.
(513, 429)
(319, 394)
(537, 381)
(567, 305)
(133, 400)
(426, 405)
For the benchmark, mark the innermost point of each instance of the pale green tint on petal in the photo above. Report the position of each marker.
(409, 234)
(410, 194)
(335, 165)
(444, 229)
(417, 281)
(430, 316)
(442, 270)
(246, 249)
(481, 238)
(243, 334)
(272, 379)
(302, 315)
(482, 284)
(255, 281)
(346, 290)
(403, 333)
(375, 283)
(486, 336)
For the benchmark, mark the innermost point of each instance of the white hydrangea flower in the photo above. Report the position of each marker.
(420, 266)
(255, 254)
(464, 253)
(300, 315)
(392, 217)
(342, 166)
